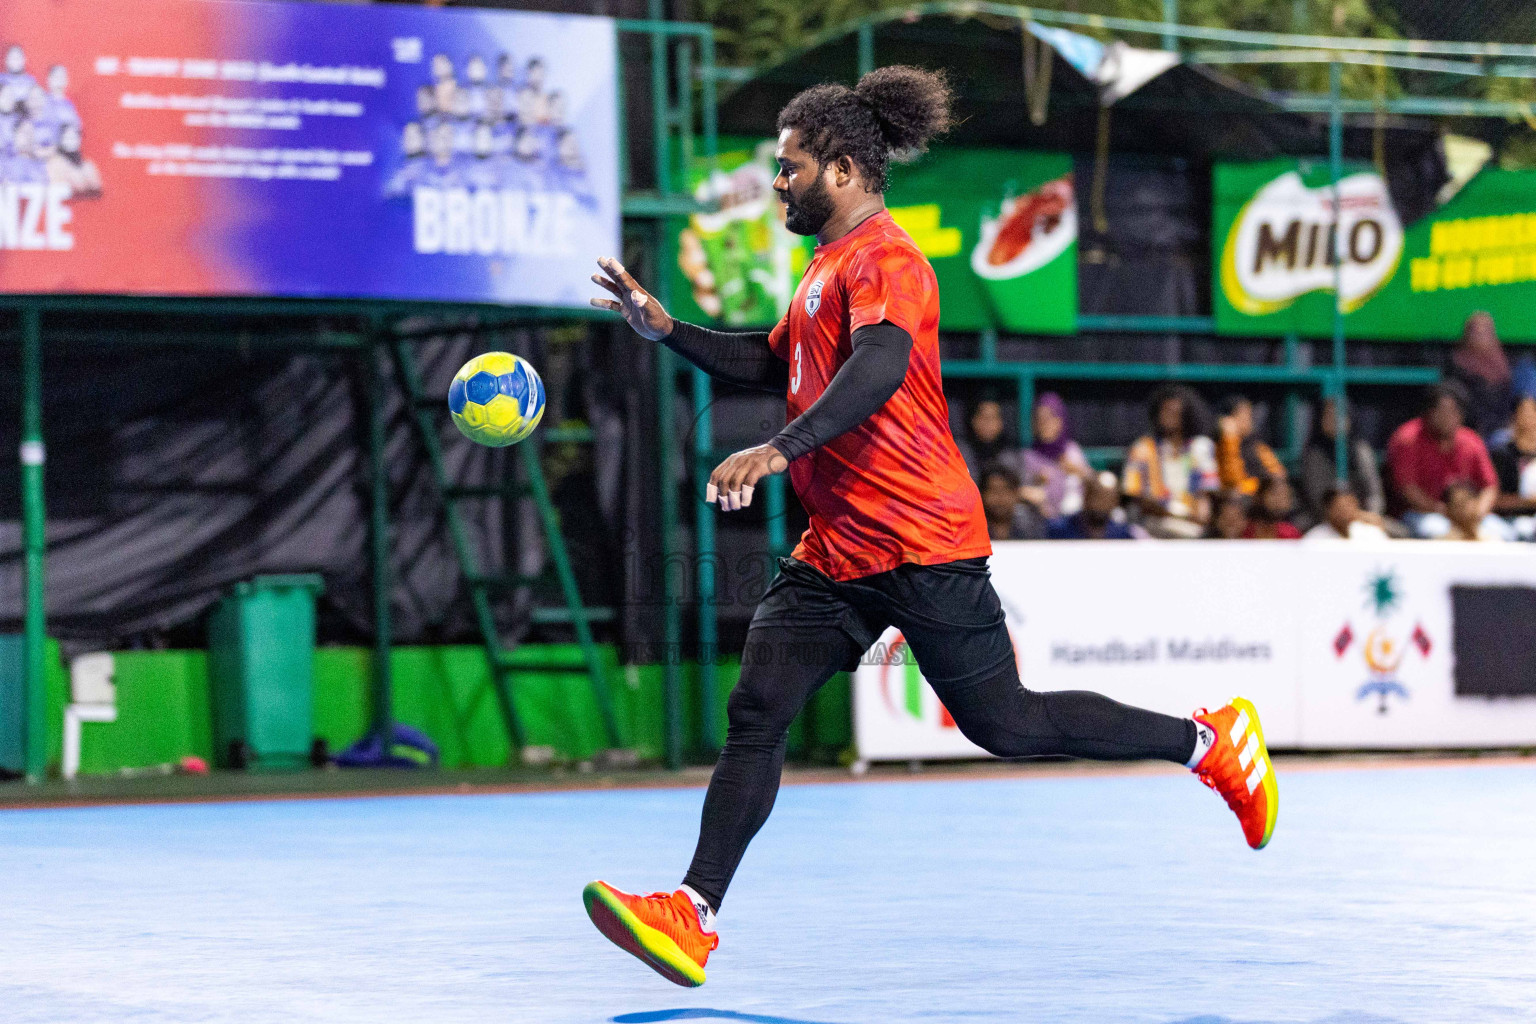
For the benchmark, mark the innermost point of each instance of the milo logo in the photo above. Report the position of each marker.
(1285, 241)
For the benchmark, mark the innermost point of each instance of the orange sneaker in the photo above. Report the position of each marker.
(1237, 766)
(662, 929)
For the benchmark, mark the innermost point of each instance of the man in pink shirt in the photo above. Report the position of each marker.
(1433, 451)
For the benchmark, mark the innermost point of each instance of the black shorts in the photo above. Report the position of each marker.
(949, 614)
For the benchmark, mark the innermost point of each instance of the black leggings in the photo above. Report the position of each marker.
(788, 658)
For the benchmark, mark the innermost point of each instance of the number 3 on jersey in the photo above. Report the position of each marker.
(794, 382)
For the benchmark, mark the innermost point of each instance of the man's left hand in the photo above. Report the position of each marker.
(732, 482)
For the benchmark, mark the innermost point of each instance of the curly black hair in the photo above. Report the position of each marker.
(1196, 416)
(1450, 388)
(1001, 469)
(891, 113)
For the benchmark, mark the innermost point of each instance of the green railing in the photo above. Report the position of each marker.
(687, 50)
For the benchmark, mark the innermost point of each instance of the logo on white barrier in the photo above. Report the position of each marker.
(903, 690)
(896, 714)
(1388, 641)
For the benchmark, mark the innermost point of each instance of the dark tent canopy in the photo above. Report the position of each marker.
(1193, 112)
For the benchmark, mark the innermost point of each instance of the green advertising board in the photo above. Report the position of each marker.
(999, 228)
(739, 265)
(1273, 230)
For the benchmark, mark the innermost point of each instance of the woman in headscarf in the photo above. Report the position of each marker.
(1479, 362)
(1054, 465)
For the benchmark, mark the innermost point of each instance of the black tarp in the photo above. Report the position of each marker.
(1494, 639)
(176, 470)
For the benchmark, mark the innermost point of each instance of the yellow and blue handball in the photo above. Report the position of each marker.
(496, 399)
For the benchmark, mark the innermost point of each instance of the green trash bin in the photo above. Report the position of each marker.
(261, 650)
(13, 702)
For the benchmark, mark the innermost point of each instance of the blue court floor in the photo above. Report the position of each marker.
(1402, 894)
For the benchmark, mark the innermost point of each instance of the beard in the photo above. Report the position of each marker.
(807, 214)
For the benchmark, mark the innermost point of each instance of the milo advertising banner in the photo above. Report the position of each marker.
(999, 227)
(1274, 233)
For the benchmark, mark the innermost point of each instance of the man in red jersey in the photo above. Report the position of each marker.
(897, 535)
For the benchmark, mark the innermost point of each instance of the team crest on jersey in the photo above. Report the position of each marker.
(813, 299)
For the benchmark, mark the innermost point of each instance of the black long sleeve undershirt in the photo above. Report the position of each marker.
(860, 387)
(736, 357)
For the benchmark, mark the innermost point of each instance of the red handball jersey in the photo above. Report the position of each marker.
(893, 489)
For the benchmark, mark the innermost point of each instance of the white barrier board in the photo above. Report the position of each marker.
(1339, 645)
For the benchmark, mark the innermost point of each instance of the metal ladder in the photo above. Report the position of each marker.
(425, 411)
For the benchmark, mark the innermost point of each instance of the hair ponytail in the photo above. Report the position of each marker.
(911, 105)
(892, 112)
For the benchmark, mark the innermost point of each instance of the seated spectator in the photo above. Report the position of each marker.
(1242, 460)
(1269, 517)
(1479, 365)
(1229, 519)
(1432, 451)
(1464, 509)
(1514, 462)
(985, 442)
(1009, 517)
(1096, 519)
(1054, 467)
(1318, 476)
(1343, 519)
(1525, 378)
(1172, 472)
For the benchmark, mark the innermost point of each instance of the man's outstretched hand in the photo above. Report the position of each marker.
(733, 480)
(638, 306)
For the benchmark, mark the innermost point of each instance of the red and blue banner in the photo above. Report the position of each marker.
(213, 147)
